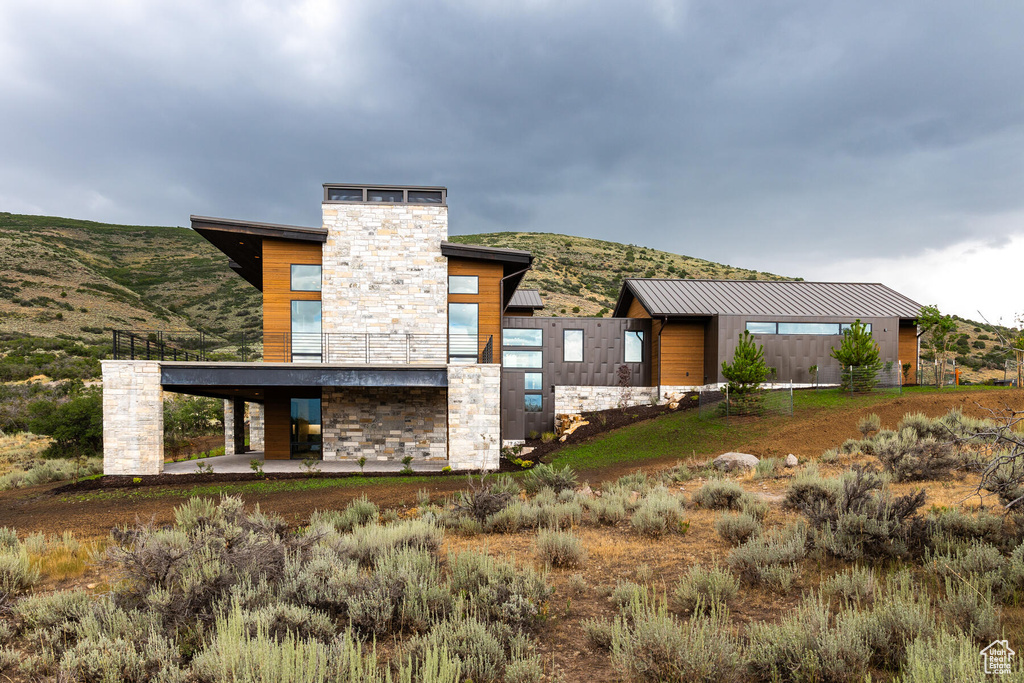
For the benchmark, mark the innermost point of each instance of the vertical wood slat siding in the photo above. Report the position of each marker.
(682, 353)
(278, 257)
(277, 426)
(636, 310)
(908, 350)
(488, 297)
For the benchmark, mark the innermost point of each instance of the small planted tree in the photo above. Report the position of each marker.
(937, 336)
(747, 371)
(858, 356)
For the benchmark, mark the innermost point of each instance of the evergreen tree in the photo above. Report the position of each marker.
(747, 370)
(858, 358)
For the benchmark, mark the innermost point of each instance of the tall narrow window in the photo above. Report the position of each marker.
(305, 427)
(634, 346)
(572, 346)
(463, 327)
(306, 340)
(305, 278)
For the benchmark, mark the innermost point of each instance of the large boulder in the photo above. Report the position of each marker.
(735, 461)
(791, 460)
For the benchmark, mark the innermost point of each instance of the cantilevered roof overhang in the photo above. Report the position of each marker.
(242, 241)
(246, 379)
(515, 263)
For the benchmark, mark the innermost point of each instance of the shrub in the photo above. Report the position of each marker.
(869, 424)
(977, 562)
(598, 633)
(757, 560)
(866, 520)
(556, 478)
(943, 657)
(659, 511)
(854, 586)
(497, 589)
(484, 500)
(701, 586)
(970, 610)
(767, 468)
(75, 425)
(899, 616)
(357, 513)
(719, 495)
(608, 509)
(657, 647)
(737, 528)
(942, 526)
(365, 544)
(910, 457)
(810, 491)
(479, 652)
(48, 610)
(17, 575)
(560, 549)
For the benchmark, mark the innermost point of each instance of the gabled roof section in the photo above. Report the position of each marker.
(515, 262)
(242, 241)
(681, 298)
(526, 299)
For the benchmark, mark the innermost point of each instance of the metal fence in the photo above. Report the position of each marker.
(337, 349)
(854, 379)
(758, 403)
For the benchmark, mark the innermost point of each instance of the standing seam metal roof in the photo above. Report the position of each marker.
(769, 297)
(526, 298)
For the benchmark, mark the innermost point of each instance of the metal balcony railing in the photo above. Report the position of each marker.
(329, 348)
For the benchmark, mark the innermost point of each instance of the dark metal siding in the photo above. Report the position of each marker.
(602, 355)
(792, 354)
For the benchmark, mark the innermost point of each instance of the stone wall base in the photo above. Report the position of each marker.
(474, 416)
(379, 423)
(133, 417)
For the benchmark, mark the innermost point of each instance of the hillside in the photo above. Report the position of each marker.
(582, 276)
(68, 279)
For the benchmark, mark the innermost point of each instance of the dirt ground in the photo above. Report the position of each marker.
(806, 435)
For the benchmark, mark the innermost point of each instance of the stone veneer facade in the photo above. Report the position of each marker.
(474, 416)
(574, 400)
(133, 417)
(256, 427)
(383, 273)
(384, 423)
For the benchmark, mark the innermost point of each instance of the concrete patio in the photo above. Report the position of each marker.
(240, 464)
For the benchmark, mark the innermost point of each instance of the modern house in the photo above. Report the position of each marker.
(382, 340)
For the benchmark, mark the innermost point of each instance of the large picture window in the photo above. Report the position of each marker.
(305, 428)
(306, 340)
(463, 328)
(572, 346)
(305, 278)
(634, 346)
(512, 336)
(819, 329)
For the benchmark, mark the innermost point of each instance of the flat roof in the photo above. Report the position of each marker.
(797, 298)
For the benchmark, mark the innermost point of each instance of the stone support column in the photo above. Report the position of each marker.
(234, 426)
(474, 416)
(133, 417)
(256, 427)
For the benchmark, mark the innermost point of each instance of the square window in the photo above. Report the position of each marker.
(534, 403)
(463, 284)
(572, 346)
(518, 337)
(305, 278)
(533, 381)
(634, 352)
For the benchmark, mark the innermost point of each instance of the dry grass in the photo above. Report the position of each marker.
(20, 451)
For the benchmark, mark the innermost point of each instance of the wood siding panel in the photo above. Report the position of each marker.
(682, 353)
(488, 296)
(278, 257)
(908, 351)
(519, 314)
(637, 310)
(276, 426)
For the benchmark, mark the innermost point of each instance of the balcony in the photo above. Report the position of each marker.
(342, 349)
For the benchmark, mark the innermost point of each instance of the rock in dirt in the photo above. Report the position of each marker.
(735, 461)
(791, 460)
(586, 491)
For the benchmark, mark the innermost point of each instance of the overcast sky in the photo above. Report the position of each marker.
(828, 140)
